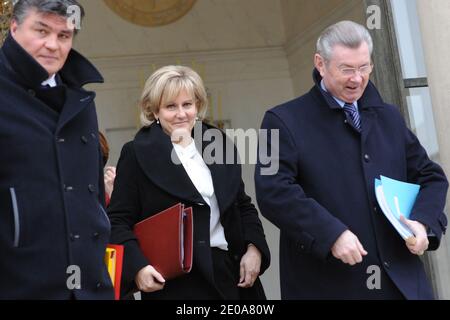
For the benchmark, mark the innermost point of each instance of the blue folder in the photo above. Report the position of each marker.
(396, 198)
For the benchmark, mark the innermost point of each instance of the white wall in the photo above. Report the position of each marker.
(434, 23)
(210, 25)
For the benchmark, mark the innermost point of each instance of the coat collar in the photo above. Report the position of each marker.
(367, 104)
(154, 153)
(371, 98)
(76, 72)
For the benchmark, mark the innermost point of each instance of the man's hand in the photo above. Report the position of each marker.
(420, 232)
(348, 249)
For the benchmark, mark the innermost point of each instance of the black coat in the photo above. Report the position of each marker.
(148, 182)
(51, 181)
(325, 185)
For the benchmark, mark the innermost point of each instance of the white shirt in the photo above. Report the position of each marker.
(339, 101)
(50, 81)
(200, 176)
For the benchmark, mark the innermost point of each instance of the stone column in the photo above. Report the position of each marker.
(435, 26)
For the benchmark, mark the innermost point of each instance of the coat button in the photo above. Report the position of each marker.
(84, 139)
(375, 209)
(98, 285)
(96, 235)
(32, 92)
(91, 188)
(68, 188)
(366, 158)
(236, 257)
(386, 265)
(74, 237)
(60, 140)
(345, 121)
(302, 247)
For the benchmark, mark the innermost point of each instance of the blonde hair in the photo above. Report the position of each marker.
(166, 84)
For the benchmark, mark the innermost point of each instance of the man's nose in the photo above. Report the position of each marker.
(357, 77)
(52, 43)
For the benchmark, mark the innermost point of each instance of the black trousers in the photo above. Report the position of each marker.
(195, 286)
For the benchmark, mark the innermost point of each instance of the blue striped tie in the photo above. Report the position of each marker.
(353, 116)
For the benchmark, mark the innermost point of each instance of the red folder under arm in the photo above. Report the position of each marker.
(166, 240)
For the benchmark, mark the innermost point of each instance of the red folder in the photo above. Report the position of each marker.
(166, 240)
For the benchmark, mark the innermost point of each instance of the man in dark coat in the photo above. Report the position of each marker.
(333, 142)
(53, 230)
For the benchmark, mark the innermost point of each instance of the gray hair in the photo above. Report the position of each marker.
(58, 7)
(345, 33)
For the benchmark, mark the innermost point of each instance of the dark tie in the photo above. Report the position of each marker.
(353, 116)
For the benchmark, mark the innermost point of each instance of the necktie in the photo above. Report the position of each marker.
(353, 116)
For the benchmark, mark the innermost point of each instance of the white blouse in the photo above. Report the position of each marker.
(200, 176)
(50, 81)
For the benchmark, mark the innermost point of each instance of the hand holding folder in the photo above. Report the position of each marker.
(396, 198)
(166, 240)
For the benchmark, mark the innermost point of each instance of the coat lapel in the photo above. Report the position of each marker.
(368, 119)
(153, 151)
(76, 102)
(369, 102)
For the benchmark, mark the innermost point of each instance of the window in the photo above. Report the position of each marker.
(420, 109)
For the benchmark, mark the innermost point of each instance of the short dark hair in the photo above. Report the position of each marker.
(58, 7)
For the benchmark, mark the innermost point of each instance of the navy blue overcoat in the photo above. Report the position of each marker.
(325, 185)
(53, 230)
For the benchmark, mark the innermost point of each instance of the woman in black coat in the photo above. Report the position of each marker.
(166, 164)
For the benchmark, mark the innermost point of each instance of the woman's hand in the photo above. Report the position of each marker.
(109, 176)
(250, 267)
(149, 280)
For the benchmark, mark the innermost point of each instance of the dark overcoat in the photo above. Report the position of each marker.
(325, 185)
(148, 181)
(53, 230)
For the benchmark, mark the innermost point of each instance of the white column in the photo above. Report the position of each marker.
(434, 16)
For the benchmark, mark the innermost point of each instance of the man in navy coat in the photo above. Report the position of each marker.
(333, 142)
(53, 230)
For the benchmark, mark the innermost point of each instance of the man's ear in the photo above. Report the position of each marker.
(13, 27)
(319, 63)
